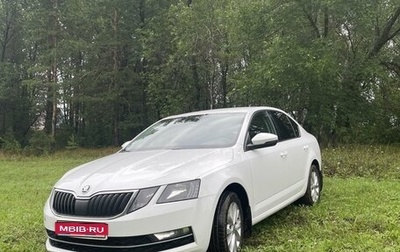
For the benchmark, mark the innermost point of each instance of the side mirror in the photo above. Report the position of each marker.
(125, 144)
(262, 140)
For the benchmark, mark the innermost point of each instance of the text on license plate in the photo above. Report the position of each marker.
(96, 230)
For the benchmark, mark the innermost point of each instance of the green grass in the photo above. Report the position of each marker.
(359, 211)
(354, 215)
(25, 184)
(377, 162)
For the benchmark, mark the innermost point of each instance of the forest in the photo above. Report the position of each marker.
(95, 73)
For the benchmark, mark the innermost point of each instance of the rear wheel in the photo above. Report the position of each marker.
(228, 226)
(313, 192)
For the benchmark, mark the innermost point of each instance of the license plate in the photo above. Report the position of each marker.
(82, 229)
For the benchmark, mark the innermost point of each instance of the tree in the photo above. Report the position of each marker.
(321, 63)
(15, 101)
(101, 71)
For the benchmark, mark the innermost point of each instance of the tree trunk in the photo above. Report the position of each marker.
(53, 80)
(114, 83)
(386, 34)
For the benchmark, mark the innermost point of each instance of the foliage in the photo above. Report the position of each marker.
(104, 70)
(9, 144)
(72, 143)
(40, 144)
(371, 161)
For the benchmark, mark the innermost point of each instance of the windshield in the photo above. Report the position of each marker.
(190, 132)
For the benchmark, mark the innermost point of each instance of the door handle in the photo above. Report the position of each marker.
(284, 154)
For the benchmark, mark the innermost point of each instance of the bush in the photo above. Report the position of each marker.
(371, 161)
(9, 144)
(40, 144)
(72, 143)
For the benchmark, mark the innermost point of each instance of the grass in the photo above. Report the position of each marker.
(359, 211)
(354, 215)
(25, 184)
(376, 162)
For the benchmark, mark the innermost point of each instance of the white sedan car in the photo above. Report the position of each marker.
(190, 182)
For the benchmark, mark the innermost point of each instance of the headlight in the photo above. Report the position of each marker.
(142, 198)
(180, 191)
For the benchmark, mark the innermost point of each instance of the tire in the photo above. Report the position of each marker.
(228, 226)
(314, 187)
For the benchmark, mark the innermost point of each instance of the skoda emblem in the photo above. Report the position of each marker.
(86, 188)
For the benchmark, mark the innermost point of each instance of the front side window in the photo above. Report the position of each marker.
(191, 132)
(287, 128)
(260, 123)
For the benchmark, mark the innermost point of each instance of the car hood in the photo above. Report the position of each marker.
(135, 170)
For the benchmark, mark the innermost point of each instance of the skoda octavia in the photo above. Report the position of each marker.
(190, 182)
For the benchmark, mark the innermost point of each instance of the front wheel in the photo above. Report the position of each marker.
(313, 193)
(228, 226)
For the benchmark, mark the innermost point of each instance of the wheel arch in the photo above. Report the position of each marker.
(244, 199)
(317, 164)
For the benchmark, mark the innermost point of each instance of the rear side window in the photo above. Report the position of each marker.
(286, 127)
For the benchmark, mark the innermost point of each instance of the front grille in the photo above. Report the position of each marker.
(143, 243)
(101, 205)
(64, 203)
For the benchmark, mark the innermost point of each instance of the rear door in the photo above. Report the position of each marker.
(292, 150)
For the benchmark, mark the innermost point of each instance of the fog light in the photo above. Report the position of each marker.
(173, 233)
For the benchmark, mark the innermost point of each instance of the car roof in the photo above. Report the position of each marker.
(225, 110)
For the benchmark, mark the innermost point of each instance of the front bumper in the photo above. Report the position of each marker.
(129, 244)
(135, 231)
